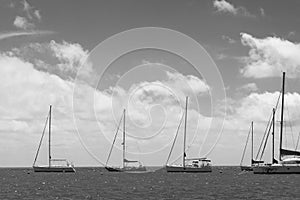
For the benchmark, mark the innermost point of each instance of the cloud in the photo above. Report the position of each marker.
(291, 34)
(26, 93)
(27, 22)
(23, 23)
(223, 6)
(27, 8)
(228, 39)
(152, 108)
(7, 35)
(270, 56)
(11, 4)
(63, 59)
(249, 87)
(37, 14)
(258, 107)
(262, 12)
(221, 56)
(189, 83)
(71, 55)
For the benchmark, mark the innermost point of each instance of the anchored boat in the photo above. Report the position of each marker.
(127, 165)
(253, 162)
(54, 165)
(195, 165)
(289, 160)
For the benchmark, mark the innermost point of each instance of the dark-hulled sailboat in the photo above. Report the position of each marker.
(51, 167)
(127, 165)
(191, 165)
(253, 162)
(289, 160)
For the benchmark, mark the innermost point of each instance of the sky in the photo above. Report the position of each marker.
(92, 59)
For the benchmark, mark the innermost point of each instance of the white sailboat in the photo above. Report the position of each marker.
(51, 167)
(192, 165)
(289, 160)
(127, 165)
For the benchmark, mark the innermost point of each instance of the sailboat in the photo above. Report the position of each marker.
(195, 165)
(253, 162)
(289, 160)
(127, 165)
(51, 167)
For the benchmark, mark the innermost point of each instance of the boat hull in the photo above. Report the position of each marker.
(277, 169)
(246, 168)
(203, 169)
(60, 169)
(113, 169)
(126, 169)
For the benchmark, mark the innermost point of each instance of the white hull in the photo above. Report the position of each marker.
(277, 169)
(189, 169)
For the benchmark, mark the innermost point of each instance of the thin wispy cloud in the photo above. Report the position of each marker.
(249, 87)
(27, 8)
(6, 35)
(262, 12)
(37, 14)
(291, 34)
(228, 39)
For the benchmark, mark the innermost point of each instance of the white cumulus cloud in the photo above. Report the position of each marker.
(269, 56)
(188, 83)
(23, 23)
(226, 7)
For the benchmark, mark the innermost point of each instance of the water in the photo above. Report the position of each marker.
(96, 183)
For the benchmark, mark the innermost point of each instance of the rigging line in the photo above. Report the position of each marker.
(263, 139)
(38, 150)
(290, 124)
(297, 142)
(111, 148)
(138, 148)
(246, 145)
(266, 141)
(177, 131)
(285, 137)
(265, 132)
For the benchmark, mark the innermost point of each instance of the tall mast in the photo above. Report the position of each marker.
(50, 135)
(124, 111)
(273, 136)
(184, 135)
(281, 120)
(252, 142)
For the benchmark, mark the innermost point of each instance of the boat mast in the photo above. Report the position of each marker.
(252, 142)
(124, 111)
(184, 135)
(281, 120)
(273, 136)
(50, 135)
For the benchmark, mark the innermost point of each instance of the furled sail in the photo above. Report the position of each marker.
(256, 161)
(130, 161)
(286, 152)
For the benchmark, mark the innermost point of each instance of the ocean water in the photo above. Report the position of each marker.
(96, 183)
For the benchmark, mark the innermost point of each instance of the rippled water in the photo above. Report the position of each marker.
(96, 183)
